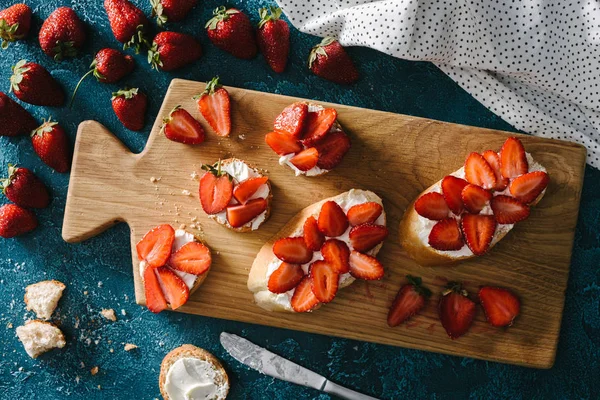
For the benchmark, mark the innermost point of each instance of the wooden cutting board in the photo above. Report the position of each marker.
(396, 156)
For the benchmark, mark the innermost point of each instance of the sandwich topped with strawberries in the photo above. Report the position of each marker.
(469, 211)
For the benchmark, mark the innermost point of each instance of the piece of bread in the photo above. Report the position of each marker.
(257, 279)
(40, 336)
(42, 297)
(220, 379)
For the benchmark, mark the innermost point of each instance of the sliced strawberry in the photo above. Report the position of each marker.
(475, 198)
(451, 190)
(318, 125)
(332, 149)
(241, 214)
(337, 254)
(285, 278)
(478, 231)
(312, 235)
(432, 206)
(174, 288)
(366, 236)
(214, 106)
(365, 213)
(409, 301)
(513, 160)
(363, 266)
(306, 159)
(501, 306)
(283, 143)
(445, 235)
(494, 160)
(155, 246)
(216, 189)
(526, 188)
(244, 190)
(332, 221)
(181, 127)
(155, 299)
(479, 172)
(292, 119)
(325, 280)
(304, 299)
(292, 250)
(456, 310)
(193, 258)
(509, 210)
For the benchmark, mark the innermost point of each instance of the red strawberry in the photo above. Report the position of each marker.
(513, 160)
(329, 60)
(51, 144)
(231, 31)
(239, 215)
(14, 23)
(332, 221)
(337, 255)
(33, 84)
(317, 125)
(273, 38)
(409, 301)
(306, 159)
(363, 266)
(214, 107)
(325, 280)
(174, 288)
(285, 278)
(494, 160)
(479, 172)
(24, 189)
(283, 143)
(292, 250)
(526, 188)
(456, 310)
(332, 149)
(14, 119)
(365, 213)
(366, 236)
(501, 306)
(432, 206)
(244, 190)
(130, 107)
(478, 231)
(155, 246)
(445, 235)
(62, 34)
(312, 236)
(508, 210)
(193, 258)
(304, 300)
(475, 198)
(292, 119)
(452, 191)
(173, 50)
(216, 189)
(128, 23)
(16, 221)
(181, 127)
(155, 299)
(171, 10)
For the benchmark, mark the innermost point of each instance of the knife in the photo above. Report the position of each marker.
(278, 367)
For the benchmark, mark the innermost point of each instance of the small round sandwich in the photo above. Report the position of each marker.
(189, 372)
(235, 195)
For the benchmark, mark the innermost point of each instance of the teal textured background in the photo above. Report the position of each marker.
(101, 267)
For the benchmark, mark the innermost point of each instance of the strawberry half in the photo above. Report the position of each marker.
(216, 189)
(526, 188)
(332, 149)
(318, 124)
(509, 210)
(292, 119)
(337, 255)
(409, 301)
(174, 288)
(285, 278)
(365, 213)
(479, 172)
(239, 215)
(445, 235)
(494, 160)
(452, 191)
(292, 250)
(181, 127)
(456, 310)
(244, 190)
(478, 231)
(312, 236)
(366, 236)
(513, 160)
(155, 299)
(363, 266)
(325, 280)
(215, 108)
(501, 306)
(155, 246)
(282, 143)
(193, 258)
(332, 221)
(306, 159)
(304, 299)
(432, 206)
(475, 198)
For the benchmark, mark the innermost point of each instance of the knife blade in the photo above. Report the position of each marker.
(271, 364)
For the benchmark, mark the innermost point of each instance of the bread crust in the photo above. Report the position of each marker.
(53, 281)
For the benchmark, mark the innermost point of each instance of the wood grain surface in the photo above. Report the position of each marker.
(396, 156)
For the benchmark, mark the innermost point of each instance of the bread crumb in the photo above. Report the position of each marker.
(123, 312)
(99, 387)
(85, 292)
(100, 284)
(9, 325)
(94, 371)
(194, 175)
(186, 192)
(81, 365)
(242, 137)
(154, 179)
(109, 314)
(130, 346)
(111, 350)
(77, 378)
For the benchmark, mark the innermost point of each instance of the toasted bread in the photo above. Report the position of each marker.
(39, 337)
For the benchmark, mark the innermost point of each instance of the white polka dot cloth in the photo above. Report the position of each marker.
(534, 63)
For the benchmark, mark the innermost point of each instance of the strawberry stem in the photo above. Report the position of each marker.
(77, 87)
(157, 11)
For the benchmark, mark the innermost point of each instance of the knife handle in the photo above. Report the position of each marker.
(344, 393)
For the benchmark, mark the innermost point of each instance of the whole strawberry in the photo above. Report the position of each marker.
(62, 34)
(33, 84)
(128, 23)
(15, 221)
(24, 189)
(329, 60)
(130, 107)
(172, 50)
(231, 30)
(14, 119)
(51, 144)
(273, 38)
(171, 10)
(15, 22)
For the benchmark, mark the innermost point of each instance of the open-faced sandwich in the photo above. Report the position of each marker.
(473, 208)
(323, 248)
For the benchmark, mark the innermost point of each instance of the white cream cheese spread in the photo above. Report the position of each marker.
(193, 379)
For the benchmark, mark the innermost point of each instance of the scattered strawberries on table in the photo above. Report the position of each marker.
(171, 10)
(216, 189)
(14, 119)
(130, 107)
(128, 23)
(15, 22)
(273, 38)
(330, 61)
(501, 306)
(16, 221)
(181, 127)
(24, 189)
(51, 144)
(33, 84)
(62, 34)
(214, 105)
(456, 310)
(409, 301)
(172, 50)
(231, 31)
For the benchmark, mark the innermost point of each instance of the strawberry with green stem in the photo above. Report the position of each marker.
(16, 221)
(216, 189)
(14, 119)
(15, 22)
(24, 189)
(33, 84)
(62, 34)
(173, 50)
(214, 105)
(330, 61)
(273, 38)
(409, 301)
(128, 23)
(171, 10)
(51, 144)
(180, 126)
(231, 31)
(130, 107)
